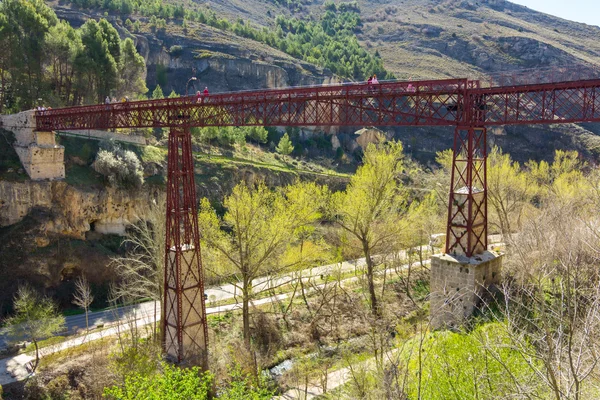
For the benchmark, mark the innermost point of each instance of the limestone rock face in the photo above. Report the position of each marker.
(369, 135)
(73, 212)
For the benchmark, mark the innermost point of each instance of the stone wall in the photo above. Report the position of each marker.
(459, 284)
(22, 125)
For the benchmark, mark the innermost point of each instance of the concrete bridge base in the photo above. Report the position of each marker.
(459, 284)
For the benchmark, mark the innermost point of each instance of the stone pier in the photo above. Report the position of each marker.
(458, 285)
(40, 156)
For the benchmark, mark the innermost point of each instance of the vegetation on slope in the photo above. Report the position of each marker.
(47, 62)
(329, 41)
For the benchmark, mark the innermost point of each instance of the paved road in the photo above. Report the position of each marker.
(14, 368)
(76, 323)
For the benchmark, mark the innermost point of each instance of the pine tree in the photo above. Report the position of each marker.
(158, 93)
(285, 145)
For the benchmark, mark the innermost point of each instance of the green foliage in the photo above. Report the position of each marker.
(330, 42)
(43, 58)
(242, 386)
(257, 134)
(227, 136)
(285, 145)
(157, 93)
(132, 70)
(153, 154)
(176, 51)
(35, 318)
(170, 383)
(371, 208)
(23, 28)
(469, 365)
(253, 215)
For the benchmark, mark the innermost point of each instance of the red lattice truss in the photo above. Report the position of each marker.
(454, 102)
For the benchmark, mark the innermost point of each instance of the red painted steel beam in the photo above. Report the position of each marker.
(431, 103)
(550, 103)
(458, 102)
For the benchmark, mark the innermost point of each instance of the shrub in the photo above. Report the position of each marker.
(176, 51)
(173, 383)
(120, 167)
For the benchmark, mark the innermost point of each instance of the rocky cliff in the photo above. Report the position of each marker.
(72, 211)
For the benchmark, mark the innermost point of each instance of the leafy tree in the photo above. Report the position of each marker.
(99, 67)
(35, 318)
(257, 227)
(120, 167)
(173, 94)
(24, 28)
(111, 36)
(285, 146)
(480, 364)
(509, 190)
(257, 134)
(132, 71)
(371, 207)
(242, 386)
(157, 93)
(63, 46)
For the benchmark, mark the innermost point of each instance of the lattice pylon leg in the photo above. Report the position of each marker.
(467, 207)
(184, 334)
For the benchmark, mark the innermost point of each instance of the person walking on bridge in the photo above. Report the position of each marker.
(205, 91)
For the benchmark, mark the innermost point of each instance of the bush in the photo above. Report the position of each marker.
(242, 386)
(173, 383)
(120, 167)
(176, 51)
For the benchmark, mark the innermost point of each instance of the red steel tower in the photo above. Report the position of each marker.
(184, 334)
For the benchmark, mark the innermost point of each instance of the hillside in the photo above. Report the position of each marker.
(418, 39)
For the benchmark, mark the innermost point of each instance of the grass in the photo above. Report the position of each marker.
(44, 343)
(154, 154)
(9, 160)
(78, 175)
(75, 351)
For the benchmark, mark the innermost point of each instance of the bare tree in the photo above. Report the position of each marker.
(552, 299)
(83, 297)
(140, 271)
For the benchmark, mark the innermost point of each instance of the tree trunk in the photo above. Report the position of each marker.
(87, 323)
(245, 310)
(370, 277)
(37, 355)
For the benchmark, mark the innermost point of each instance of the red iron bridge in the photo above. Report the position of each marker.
(469, 105)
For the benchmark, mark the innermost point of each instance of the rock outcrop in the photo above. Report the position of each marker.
(72, 212)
